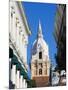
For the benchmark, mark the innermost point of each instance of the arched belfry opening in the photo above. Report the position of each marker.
(40, 71)
(40, 55)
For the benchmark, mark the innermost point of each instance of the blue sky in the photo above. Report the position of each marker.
(46, 14)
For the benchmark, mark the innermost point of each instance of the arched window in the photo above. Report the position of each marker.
(40, 55)
(40, 71)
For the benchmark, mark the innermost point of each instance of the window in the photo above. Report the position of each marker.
(40, 71)
(40, 55)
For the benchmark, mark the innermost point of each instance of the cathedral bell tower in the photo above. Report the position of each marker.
(40, 62)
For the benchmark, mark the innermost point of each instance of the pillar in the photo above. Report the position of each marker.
(9, 68)
(24, 83)
(17, 79)
(21, 81)
(13, 74)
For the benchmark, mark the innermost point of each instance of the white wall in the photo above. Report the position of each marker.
(19, 36)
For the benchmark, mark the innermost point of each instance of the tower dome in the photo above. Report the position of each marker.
(40, 43)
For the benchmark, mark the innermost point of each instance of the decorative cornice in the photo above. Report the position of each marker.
(21, 8)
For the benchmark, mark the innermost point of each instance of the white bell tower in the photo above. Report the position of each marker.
(40, 63)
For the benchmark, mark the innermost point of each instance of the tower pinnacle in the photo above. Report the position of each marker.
(40, 30)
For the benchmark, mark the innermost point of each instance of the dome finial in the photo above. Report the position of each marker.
(40, 30)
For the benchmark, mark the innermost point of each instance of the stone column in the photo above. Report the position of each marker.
(9, 68)
(17, 79)
(24, 83)
(21, 81)
(13, 73)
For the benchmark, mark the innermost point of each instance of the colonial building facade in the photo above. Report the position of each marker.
(18, 41)
(40, 62)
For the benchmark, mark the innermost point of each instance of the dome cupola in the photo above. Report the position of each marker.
(40, 44)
